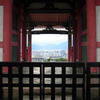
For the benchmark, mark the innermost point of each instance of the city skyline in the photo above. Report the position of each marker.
(44, 55)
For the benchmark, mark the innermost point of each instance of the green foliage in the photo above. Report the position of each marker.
(61, 59)
(56, 60)
(49, 59)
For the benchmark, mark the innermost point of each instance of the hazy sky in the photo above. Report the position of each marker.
(48, 39)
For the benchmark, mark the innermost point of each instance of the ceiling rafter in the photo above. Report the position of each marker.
(65, 24)
(47, 1)
(28, 11)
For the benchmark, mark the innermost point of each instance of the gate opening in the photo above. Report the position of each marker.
(50, 47)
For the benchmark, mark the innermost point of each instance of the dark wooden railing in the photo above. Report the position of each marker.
(74, 79)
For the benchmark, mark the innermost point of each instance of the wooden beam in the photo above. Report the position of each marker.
(43, 1)
(33, 24)
(49, 32)
(29, 11)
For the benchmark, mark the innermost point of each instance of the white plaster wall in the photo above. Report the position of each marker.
(98, 23)
(1, 54)
(98, 54)
(1, 23)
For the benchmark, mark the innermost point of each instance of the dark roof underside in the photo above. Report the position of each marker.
(49, 12)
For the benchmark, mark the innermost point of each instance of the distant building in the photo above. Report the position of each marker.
(38, 59)
(43, 55)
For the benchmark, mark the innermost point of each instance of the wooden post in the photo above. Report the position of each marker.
(91, 29)
(69, 45)
(29, 45)
(7, 35)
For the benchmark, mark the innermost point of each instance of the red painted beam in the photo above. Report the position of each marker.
(91, 29)
(85, 32)
(14, 44)
(1, 44)
(84, 44)
(97, 2)
(98, 44)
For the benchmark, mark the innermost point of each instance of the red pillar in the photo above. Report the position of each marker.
(24, 41)
(91, 29)
(19, 40)
(69, 46)
(79, 37)
(7, 37)
(74, 26)
(29, 46)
